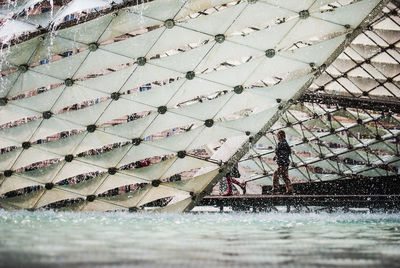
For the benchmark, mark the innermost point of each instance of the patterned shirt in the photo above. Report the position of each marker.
(282, 152)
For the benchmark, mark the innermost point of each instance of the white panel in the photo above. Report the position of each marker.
(382, 146)
(74, 168)
(235, 75)
(22, 132)
(177, 142)
(184, 61)
(125, 22)
(353, 155)
(127, 200)
(252, 123)
(88, 32)
(259, 15)
(160, 10)
(63, 68)
(54, 195)
(53, 45)
(284, 90)
(311, 30)
(251, 164)
(122, 107)
(43, 175)
(7, 82)
(186, 164)
(13, 27)
(100, 60)
(151, 172)
(15, 182)
(147, 74)
(175, 38)
(278, 67)
(136, 46)
(76, 95)
(18, 54)
(243, 101)
(157, 95)
(168, 121)
(7, 159)
(327, 164)
(349, 14)
(193, 6)
(294, 5)
(175, 207)
(266, 38)
(31, 80)
(108, 83)
(97, 140)
(86, 187)
(320, 3)
(132, 129)
(196, 184)
(107, 159)
(215, 23)
(317, 53)
(63, 146)
(101, 206)
(77, 6)
(41, 102)
(23, 201)
(294, 132)
(33, 155)
(117, 180)
(161, 192)
(194, 88)
(206, 109)
(85, 116)
(266, 142)
(11, 113)
(227, 51)
(376, 173)
(52, 126)
(142, 152)
(214, 133)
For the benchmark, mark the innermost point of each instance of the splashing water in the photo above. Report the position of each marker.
(196, 240)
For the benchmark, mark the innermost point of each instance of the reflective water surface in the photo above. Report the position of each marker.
(123, 239)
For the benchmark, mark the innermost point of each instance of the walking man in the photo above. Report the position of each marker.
(282, 153)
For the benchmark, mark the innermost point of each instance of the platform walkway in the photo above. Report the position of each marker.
(261, 202)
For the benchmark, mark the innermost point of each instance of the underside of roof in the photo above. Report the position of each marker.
(346, 124)
(130, 105)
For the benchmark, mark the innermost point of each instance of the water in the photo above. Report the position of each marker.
(63, 239)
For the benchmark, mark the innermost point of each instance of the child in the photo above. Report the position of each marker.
(229, 179)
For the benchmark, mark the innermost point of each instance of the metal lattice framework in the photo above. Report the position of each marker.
(114, 105)
(347, 124)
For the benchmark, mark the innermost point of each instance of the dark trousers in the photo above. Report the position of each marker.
(283, 173)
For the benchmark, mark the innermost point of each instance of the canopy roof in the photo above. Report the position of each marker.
(115, 105)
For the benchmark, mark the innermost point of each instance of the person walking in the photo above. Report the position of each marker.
(282, 153)
(230, 180)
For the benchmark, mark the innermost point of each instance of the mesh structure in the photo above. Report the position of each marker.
(347, 124)
(131, 105)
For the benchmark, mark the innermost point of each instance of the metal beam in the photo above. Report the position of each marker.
(352, 102)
